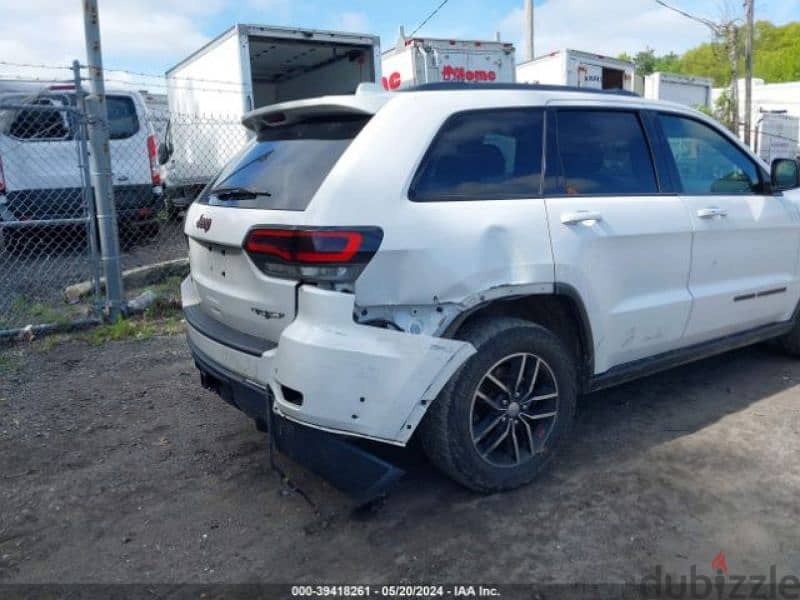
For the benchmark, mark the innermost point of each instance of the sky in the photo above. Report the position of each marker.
(150, 36)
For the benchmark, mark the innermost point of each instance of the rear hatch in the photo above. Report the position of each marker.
(262, 196)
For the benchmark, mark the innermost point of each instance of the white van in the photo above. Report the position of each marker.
(40, 172)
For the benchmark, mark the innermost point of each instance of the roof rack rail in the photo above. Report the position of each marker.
(540, 87)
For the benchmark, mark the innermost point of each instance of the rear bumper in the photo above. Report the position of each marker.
(366, 477)
(332, 374)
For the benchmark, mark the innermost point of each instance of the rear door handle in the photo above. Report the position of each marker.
(580, 216)
(711, 212)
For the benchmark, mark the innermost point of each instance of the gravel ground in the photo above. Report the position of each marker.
(115, 466)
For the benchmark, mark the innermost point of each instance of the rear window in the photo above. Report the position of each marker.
(122, 119)
(37, 124)
(285, 166)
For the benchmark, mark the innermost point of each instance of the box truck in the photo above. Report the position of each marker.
(684, 89)
(775, 135)
(578, 69)
(415, 61)
(244, 68)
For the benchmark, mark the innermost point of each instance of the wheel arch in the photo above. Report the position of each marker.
(562, 311)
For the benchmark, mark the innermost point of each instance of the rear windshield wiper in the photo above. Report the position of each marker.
(238, 193)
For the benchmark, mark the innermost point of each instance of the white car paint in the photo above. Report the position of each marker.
(651, 276)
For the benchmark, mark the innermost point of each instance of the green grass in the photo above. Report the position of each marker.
(25, 311)
(167, 321)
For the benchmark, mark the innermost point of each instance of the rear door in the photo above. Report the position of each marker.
(746, 240)
(40, 158)
(621, 239)
(128, 131)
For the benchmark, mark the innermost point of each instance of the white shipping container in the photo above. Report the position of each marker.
(768, 98)
(244, 68)
(578, 69)
(416, 61)
(682, 89)
(776, 136)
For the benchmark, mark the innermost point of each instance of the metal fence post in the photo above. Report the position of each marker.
(97, 122)
(86, 179)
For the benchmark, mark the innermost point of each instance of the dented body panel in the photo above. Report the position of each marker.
(354, 379)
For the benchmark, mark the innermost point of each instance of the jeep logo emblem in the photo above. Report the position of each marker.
(203, 223)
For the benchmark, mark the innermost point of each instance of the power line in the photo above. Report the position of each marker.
(34, 66)
(154, 76)
(429, 17)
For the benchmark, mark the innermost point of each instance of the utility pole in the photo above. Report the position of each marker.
(100, 160)
(748, 70)
(728, 32)
(529, 55)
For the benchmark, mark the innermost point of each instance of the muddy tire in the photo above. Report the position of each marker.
(499, 420)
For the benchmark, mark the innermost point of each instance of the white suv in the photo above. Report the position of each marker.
(463, 262)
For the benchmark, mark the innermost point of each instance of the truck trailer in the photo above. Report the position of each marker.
(244, 68)
(775, 135)
(684, 89)
(578, 69)
(415, 61)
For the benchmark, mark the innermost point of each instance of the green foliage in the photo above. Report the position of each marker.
(776, 57)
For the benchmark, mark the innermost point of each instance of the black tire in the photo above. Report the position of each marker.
(790, 343)
(447, 431)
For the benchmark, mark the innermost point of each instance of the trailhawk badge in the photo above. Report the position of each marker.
(203, 223)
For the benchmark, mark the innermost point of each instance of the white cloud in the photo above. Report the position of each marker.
(51, 32)
(605, 27)
(356, 22)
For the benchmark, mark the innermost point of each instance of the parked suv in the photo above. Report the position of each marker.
(40, 170)
(460, 263)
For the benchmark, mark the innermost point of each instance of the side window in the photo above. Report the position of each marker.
(40, 124)
(483, 155)
(603, 152)
(706, 161)
(122, 119)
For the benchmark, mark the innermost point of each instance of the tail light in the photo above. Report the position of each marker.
(2, 177)
(334, 255)
(152, 155)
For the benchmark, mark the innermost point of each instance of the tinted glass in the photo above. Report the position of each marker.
(285, 166)
(604, 152)
(707, 162)
(483, 155)
(122, 119)
(39, 124)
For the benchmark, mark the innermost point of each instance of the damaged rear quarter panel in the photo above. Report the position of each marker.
(358, 379)
(432, 252)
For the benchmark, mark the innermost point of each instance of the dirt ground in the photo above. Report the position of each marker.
(115, 466)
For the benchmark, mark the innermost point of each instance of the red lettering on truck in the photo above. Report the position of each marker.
(392, 82)
(451, 73)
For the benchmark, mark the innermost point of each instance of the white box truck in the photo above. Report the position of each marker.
(775, 136)
(578, 69)
(684, 89)
(244, 68)
(416, 61)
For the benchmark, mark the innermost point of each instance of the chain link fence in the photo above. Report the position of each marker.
(50, 259)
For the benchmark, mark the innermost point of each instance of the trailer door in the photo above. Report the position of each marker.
(590, 76)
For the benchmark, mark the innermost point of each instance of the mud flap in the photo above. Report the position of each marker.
(352, 470)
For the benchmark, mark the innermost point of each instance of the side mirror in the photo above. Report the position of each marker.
(163, 153)
(785, 174)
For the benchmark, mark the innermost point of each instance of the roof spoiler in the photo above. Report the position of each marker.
(367, 100)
